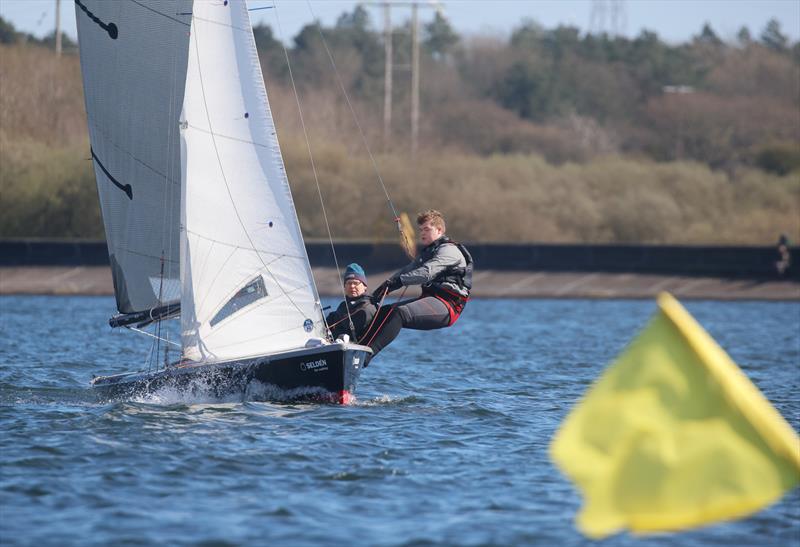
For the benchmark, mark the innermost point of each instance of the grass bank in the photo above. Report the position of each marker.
(49, 191)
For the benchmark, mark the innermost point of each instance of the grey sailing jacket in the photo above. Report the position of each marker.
(422, 272)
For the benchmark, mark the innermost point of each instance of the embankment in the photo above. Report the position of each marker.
(502, 270)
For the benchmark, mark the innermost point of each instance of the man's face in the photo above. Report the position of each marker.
(428, 233)
(354, 287)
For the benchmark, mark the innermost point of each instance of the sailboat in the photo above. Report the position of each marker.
(198, 213)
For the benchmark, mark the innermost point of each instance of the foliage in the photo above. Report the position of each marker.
(8, 35)
(440, 38)
(772, 37)
(47, 191)
(781, 158)
(548, 135)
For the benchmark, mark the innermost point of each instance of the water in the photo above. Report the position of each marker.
(447, 443)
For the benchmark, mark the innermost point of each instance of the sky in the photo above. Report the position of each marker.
(673, 20)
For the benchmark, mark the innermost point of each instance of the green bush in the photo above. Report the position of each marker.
(50, 192)
(781, 158)
(47, 192)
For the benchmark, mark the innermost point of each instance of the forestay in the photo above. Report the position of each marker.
(247, 287)
(133, 60)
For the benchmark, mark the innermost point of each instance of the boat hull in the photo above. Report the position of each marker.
(327, 373)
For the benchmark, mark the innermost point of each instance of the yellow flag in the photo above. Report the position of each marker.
(673, 435)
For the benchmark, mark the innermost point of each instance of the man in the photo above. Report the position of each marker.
(443, 268)
(357, 301)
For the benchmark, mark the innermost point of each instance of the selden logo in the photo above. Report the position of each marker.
(316, 366)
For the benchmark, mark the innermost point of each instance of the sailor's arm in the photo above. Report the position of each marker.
(336, 314)
(446, 256)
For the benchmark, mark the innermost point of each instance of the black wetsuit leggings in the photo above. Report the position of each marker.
(424, 313)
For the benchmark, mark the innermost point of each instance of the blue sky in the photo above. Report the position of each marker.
(673, 20)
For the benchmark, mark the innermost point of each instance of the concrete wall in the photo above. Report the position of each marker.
(701, 261)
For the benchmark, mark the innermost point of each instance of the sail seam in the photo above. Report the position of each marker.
(184, 23)
(128, 250)
(201, 305)
(228, 25)
(244, 141)
(211, 239)
(201, 275)
(135, 158)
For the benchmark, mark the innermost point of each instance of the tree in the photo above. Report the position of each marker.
(524, 90)
(439, 36)
(561, 40)
(772, 37)
(358, 20)
(66, 42)
(708, 36)
(270, 50)
(8, 34)
(744, 37)
(528, 36)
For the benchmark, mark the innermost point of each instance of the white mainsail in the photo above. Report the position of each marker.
(247, 287)
(133, 59)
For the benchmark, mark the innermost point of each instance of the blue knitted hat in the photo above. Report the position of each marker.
(354, 271)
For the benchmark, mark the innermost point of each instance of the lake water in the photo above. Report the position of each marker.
(446, 444)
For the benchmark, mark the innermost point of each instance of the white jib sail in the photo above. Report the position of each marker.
(133, 60)
(247, 287)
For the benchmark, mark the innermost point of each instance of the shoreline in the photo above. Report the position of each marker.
(96, 281)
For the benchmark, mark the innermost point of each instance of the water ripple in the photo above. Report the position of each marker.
(445, 444)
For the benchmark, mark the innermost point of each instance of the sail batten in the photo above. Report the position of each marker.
(247, 287)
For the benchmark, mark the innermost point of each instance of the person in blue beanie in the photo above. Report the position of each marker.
(358, 301)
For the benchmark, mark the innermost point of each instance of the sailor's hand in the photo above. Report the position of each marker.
(380, 292)
(391, 284)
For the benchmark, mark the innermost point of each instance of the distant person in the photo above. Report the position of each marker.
(357, 301)
(784, 257)
(443, 269)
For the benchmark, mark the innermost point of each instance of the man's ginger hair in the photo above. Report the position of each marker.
(433, 216)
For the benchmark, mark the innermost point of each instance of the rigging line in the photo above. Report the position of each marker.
(141, 162)
(140, 331)
(220, 135)
(168, 220)
(314, 170)
(355, 117)
(212, 240)
(213, 22)
(160, 301)
(391, 311)
(194, 38)
(145, 255)
(161, 14)
(200, 305)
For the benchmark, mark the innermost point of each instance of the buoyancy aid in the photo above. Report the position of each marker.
(455, 276)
